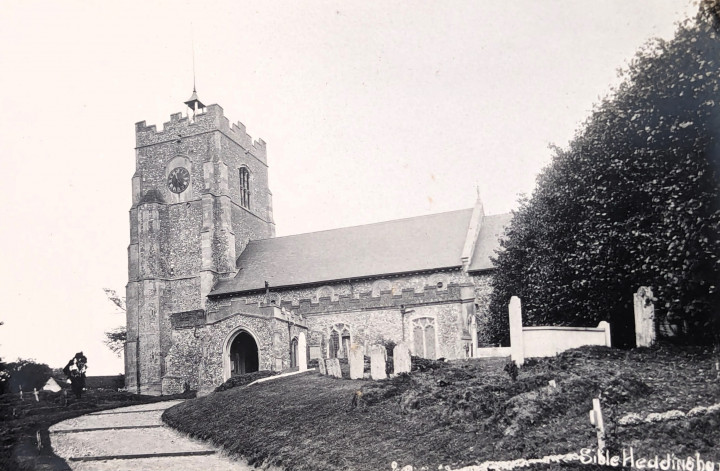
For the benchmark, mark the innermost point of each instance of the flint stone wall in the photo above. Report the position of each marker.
(196, 356)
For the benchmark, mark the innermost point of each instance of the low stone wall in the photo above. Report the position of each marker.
(549, 341)
(544, 341)
(492, 352)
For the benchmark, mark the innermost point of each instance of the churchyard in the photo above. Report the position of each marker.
(467, 412)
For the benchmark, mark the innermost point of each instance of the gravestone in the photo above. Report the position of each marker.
(356, 358)
(378, 357)
(302, 352)
(333, 367)
(401, 358)
(596, 419)
(323, 367)
(644, 317)
(517, 349)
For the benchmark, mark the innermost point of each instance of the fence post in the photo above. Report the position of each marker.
(517, 349)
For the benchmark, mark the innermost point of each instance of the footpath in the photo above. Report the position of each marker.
(134, 438)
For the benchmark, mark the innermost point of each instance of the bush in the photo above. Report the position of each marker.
(27, 374)
(634, 200)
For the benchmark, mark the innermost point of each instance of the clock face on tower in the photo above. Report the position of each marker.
(178, 179)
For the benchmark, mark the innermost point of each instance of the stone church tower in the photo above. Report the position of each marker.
(199, 194)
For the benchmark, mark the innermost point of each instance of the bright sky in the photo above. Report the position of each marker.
(371, 111)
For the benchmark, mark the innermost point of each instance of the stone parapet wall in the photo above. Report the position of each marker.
(354, 288)
(212, 119)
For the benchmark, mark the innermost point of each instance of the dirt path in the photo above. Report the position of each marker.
(134, 438)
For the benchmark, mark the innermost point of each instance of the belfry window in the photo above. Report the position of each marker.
(244, 187)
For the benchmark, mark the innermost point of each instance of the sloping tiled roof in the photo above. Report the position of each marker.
(400, 246)
(488, 241)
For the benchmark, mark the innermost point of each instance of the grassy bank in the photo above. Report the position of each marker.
(466, 412)
(23, 421)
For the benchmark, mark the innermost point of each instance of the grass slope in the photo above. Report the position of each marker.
(463, 413)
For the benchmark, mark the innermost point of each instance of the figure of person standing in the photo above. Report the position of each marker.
(75, 371)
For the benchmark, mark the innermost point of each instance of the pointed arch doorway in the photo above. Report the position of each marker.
(243, 354)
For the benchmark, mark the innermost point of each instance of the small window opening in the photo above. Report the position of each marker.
(244, 187)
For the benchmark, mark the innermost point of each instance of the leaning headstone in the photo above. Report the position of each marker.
(378, 357)
(644, 317)
(401, 358)
(356, 359)
(302, 352)
(37, 398)
(323, 367)
(333, 367)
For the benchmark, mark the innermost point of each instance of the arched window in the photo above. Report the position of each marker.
(334, 344)
(244, 187)
(340, 341)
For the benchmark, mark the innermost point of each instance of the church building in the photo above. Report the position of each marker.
(213, 293)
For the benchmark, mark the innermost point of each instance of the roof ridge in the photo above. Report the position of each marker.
(364, 225)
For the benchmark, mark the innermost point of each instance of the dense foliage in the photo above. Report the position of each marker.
(634, 200)
(27, 374)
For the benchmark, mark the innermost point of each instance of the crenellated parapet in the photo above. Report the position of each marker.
(212, 119)
(384, 299)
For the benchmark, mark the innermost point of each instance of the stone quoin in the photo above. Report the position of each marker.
(212, 292)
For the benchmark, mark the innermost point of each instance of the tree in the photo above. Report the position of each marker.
(27, 374)
(115, 339)
(634, 200)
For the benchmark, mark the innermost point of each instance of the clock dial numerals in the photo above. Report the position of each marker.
(178, 179)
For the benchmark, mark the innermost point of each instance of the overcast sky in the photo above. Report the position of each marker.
(371, 111)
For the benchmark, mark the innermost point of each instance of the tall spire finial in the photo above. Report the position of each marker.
(194, 102)
(192, 42)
